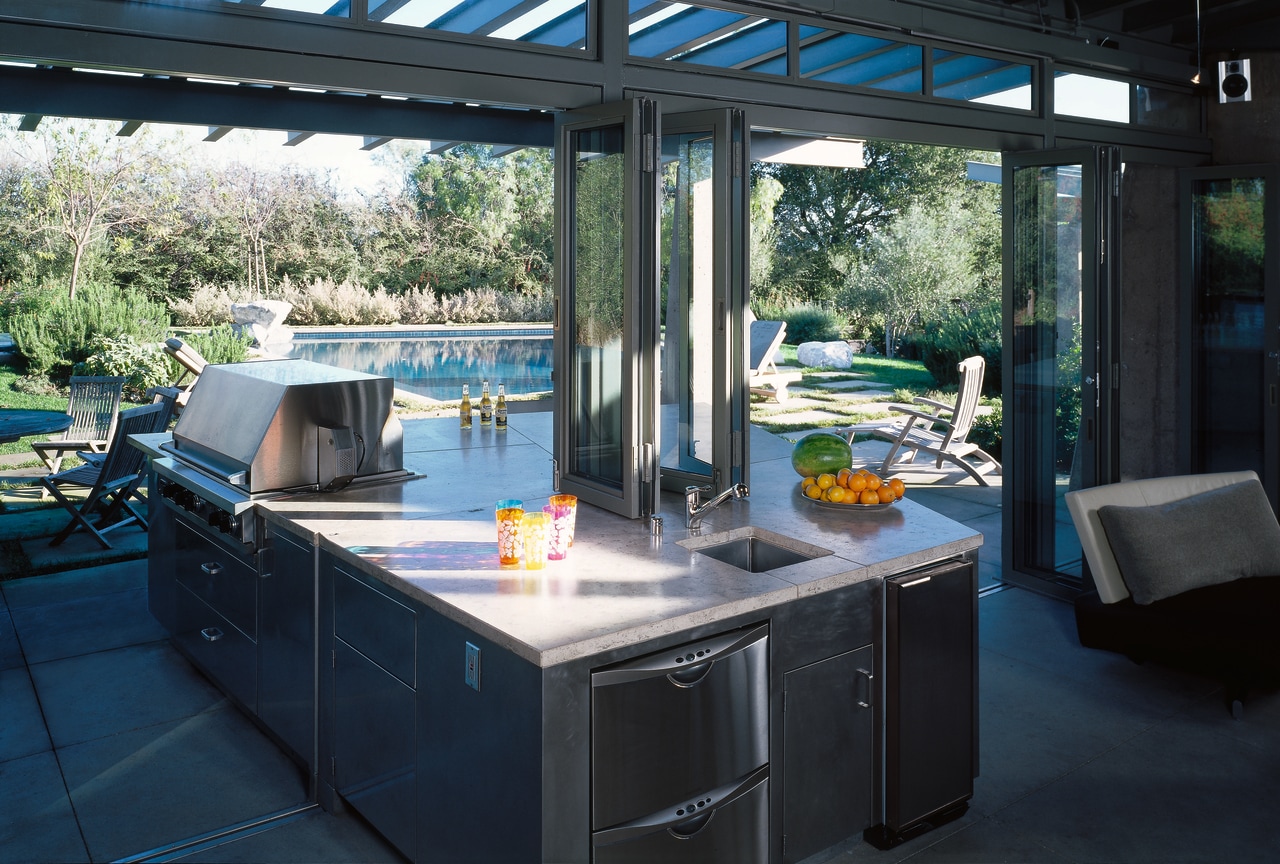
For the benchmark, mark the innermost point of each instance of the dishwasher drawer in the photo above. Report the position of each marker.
(731, 825)
(679, 722)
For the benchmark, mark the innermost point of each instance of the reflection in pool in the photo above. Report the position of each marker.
(438, 367)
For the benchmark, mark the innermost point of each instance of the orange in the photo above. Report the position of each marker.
(899, 488)
(857, 483)
(813, 491)
(886, 495)
(835, 494)
(807, 482)
(873, 482)
(869, 496)
(842, 478)
(826, 481)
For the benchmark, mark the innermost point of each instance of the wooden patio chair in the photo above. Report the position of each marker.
(110, 483)
(94, 404)
(940, 430)
(764, 377)
(192, 364)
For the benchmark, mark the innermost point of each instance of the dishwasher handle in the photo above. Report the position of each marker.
(685, 665)
(695, 826)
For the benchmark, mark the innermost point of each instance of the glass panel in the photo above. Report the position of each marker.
(1094, 98)
(1167, 109)
(1045, 305)
(687, 245)
(1229, 244)
(598, 236)
(859, 60)
(988, 80)
(708, 37)
(561, 23)
(337, 8)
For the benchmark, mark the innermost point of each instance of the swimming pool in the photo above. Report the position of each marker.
(436, 366)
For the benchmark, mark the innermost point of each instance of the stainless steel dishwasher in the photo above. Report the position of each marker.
(680, 752)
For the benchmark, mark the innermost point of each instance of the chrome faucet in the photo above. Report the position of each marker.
(695, 508)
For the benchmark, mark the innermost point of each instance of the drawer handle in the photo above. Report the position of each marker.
(692, 828)
(211, 634)
(691, 676)
(213, 568)
(863, 699)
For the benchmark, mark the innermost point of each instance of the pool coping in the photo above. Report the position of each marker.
(424, 331)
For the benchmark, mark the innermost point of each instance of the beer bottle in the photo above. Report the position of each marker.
(486, 405)
(500, 413)
(464, 410)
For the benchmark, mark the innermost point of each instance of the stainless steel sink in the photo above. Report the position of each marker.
(748, 549)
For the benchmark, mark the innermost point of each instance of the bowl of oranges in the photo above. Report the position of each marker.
(852, 489)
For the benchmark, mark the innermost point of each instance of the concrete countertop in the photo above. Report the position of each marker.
(433, 538)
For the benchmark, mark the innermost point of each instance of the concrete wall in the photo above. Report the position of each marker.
(1149, 332)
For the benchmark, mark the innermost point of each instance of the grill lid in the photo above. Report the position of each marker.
(272, 425)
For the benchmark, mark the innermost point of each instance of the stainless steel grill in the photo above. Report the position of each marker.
(256, 430)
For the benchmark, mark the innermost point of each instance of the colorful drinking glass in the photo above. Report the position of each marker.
(568, 506)
(508, 512)
(562, 509)
(536, 530)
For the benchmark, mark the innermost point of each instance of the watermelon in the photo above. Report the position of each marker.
(821, 453)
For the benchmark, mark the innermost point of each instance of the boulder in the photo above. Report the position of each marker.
(834, 355)
(264, 319)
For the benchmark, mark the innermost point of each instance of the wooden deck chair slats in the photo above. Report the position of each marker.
(937, 428)
(764, 379)
(110, 483)
(93, 406)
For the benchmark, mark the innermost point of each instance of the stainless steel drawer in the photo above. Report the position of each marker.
(222, 580)
(376, 625)
(226, 654)
(731, 825)
(676, 723)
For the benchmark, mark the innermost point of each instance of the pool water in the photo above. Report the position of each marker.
(437, 367)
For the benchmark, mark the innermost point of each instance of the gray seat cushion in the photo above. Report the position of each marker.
(1207, 539)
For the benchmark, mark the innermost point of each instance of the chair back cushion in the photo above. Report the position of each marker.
(1207, 539)
(1083, 505)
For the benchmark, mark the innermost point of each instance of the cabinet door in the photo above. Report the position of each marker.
(931, 710)
(287, 644)
(375, 747)
(828, 770)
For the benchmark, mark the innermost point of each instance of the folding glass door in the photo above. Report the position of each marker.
(651, 297)
(1231, 282)
(1058, 429)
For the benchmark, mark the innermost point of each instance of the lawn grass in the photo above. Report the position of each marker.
(10, 398)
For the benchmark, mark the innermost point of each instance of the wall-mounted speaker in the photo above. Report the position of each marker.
(1233, 81)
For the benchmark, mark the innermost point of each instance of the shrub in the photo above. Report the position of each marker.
(987, 433)
(218, 344)
(55, 337)
(145, 366)
(945, 343)
(208, 305)
(811, 324)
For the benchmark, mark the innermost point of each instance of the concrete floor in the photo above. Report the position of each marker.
(113, 748)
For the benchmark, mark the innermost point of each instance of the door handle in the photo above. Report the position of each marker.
(863, 699)
(213, 568)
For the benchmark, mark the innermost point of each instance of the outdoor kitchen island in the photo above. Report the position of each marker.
(454, 701)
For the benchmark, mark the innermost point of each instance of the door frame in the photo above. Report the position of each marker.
(1027, 518)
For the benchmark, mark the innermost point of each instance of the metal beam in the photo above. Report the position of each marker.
(218, 107)
(128, 128)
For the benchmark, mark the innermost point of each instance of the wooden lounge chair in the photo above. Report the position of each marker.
(940, 430)
(93, 406)
(110, 483)
(192, 365)
(764, 377)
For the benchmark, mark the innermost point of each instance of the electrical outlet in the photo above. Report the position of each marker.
(472, 674)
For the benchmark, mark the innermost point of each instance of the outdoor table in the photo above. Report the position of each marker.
(18, 423)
